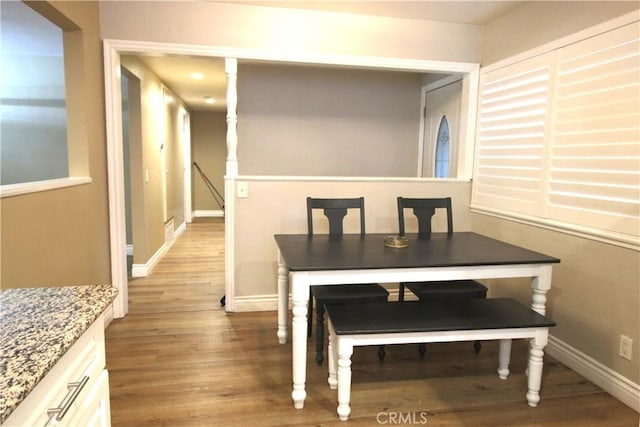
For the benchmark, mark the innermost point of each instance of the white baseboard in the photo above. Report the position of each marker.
(179, 230)
(255, 303)
(143, 270)
(210, 213)
(610, 381)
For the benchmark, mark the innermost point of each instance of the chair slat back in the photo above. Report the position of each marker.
(424, 209)
(335, 210)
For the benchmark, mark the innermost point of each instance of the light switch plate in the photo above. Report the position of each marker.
(243, 189)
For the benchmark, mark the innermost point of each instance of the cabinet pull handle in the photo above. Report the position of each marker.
(74, 390)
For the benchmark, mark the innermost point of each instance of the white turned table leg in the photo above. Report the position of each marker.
(300, 290)
(540, 285)
(534, 367)
(283, 300)
(333, 354)
(345, 350)
(504, 357)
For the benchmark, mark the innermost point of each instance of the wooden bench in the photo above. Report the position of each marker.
(501, 319)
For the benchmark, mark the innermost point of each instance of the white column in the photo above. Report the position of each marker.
(231, 71)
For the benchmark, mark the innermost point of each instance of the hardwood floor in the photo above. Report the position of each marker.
(178, 359)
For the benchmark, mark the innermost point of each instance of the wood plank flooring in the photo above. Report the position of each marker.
(178, 359)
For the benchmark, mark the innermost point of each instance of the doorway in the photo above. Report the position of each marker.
(441, 129)
(132, 164)
(112, 52)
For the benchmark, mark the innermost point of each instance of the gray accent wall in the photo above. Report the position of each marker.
(319, 121)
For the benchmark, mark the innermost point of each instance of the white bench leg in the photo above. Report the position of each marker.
(504, 357)
(345, 350)
(534, 368)
(333, 355)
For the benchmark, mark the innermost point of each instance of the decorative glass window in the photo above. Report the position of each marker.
(442, 149)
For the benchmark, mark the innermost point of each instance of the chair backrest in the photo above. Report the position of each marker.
(424, 209)
(335, 210)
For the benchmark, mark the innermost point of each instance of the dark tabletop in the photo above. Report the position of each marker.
(353, 252)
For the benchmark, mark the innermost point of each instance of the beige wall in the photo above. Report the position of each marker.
(175, 169)
(535, 23)
(277, 206)
(160, 126)
(288, 33)
(61, 237)
(595, 296)
(209, 150)
(132, 161)
(305, 121)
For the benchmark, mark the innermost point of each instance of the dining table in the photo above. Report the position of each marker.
(321, 259)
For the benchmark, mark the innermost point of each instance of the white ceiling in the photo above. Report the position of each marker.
(175, 71)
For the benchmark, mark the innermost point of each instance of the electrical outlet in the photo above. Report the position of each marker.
(626, 347)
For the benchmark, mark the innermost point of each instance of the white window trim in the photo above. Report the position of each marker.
(609, 237)
(11, 190)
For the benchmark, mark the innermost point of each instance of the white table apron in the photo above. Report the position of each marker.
(300, 281)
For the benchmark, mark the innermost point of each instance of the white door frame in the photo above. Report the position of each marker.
(466, 129)
(113, 117)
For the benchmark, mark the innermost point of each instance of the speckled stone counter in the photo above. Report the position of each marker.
(37, 327)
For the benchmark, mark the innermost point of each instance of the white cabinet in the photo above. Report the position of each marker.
(75, 392)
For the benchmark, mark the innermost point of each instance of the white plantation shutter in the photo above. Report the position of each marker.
(514, 103)
(595, 166)
(559, 135)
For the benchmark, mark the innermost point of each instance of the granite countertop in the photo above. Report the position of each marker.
(37, 327)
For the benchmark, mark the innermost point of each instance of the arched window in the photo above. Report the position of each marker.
(442, 150)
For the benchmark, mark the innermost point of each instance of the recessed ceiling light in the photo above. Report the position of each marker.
(197, 76)
(209, 100)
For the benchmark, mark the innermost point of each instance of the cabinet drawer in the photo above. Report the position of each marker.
(94, 410)
(66, 385)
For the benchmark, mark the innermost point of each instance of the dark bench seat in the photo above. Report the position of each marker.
(503, 319)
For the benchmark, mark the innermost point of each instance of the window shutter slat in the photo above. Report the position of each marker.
(599, 148)
(511, 132)
(558, 135)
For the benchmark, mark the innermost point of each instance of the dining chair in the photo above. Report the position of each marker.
(335, 210)
(424, 209)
